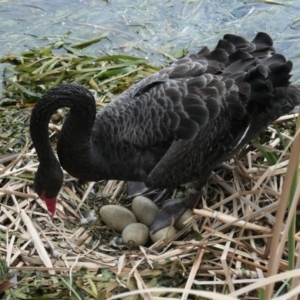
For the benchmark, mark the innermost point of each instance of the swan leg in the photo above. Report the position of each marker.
(137, 188)
(173, 209)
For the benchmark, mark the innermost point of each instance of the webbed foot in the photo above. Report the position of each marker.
(173, 209)
(136, 188)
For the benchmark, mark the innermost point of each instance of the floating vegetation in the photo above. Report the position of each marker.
(33, 72)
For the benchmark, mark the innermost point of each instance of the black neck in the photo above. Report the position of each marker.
(83, 109)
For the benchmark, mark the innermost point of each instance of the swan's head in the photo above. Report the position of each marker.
(47, 185)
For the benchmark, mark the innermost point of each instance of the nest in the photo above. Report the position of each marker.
(230, 246)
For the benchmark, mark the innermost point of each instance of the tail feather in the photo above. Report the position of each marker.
(257, 64)
(263, 38)
(285, 100)
(280, 74)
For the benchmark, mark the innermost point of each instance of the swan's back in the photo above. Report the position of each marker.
(181, 122)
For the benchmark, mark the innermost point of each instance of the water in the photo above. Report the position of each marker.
(146, 28)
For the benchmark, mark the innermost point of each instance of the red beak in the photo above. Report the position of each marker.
(50, 203)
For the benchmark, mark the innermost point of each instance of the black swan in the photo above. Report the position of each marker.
(171, 128)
